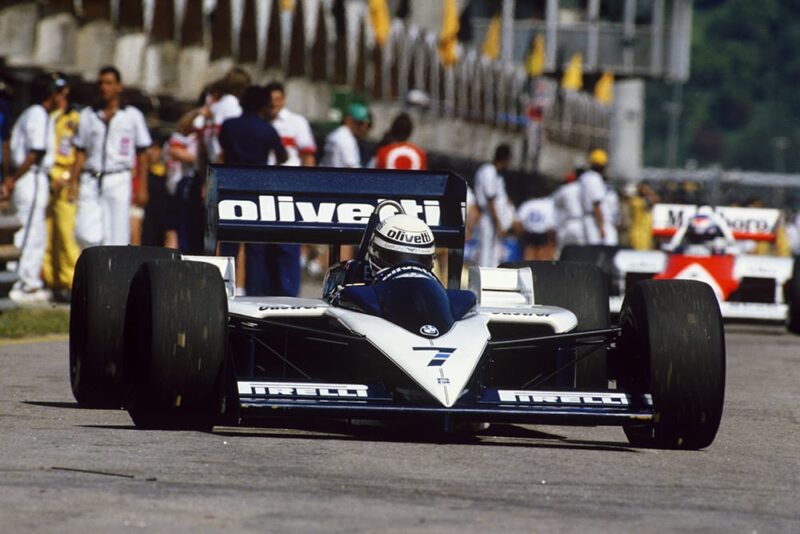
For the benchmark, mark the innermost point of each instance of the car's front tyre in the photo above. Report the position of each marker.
(175, 345)
(673, 347)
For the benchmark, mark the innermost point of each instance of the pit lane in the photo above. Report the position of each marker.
(66, 469)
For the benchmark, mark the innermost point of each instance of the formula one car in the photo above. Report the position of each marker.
(163, 334)
(709, 245)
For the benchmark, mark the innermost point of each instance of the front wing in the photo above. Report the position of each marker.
(362, 401)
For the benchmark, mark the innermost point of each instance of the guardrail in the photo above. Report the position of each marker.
(8, 252)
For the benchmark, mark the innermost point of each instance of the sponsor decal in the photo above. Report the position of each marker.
(429, 330)
(558, 398)
(284, 208)
(284, 308)
(415, 238)
(439, 357)
(288, 389)
(745, 223)
(521, 314)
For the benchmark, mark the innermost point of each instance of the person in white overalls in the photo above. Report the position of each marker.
(111, 143)
(598, 225)
(569, 213)
(496, 210)
(33, 152)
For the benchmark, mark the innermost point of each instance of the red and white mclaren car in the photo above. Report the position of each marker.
(710, 245)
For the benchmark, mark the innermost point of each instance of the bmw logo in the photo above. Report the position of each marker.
(429, 330)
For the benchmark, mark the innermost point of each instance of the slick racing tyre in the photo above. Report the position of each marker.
(673, 347)
(581, 289)
(175, 341)
(97, 319)
(599, 255)
(793, 298)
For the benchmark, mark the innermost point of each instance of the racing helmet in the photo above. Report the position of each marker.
(702, 229)
(401, 239)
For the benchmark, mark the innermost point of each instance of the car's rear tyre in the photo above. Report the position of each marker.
(97, 319)
(600, 255)
(793, 298)
(175, 341)
(673, 347)
(581, 289)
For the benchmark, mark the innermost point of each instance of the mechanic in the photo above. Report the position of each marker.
(33, 149)
(399, 240)
(598, 223)
(569, 212)
(111, 141)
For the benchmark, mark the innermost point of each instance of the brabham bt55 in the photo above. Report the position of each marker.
(164, 336)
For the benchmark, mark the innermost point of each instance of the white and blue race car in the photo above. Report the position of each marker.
(163, 334)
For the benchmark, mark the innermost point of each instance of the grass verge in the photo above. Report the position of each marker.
(27, 322)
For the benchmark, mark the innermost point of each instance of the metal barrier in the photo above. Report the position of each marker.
(8, 252)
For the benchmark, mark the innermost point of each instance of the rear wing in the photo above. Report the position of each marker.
(328, 206)
(758, 224)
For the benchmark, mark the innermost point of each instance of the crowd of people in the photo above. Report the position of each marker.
(585, 209)
(98, 176)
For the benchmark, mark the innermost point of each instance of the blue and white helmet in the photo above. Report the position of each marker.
(401, 239)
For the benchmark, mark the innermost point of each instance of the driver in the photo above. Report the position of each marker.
(703, 232)
(398, 240)
(702, 229)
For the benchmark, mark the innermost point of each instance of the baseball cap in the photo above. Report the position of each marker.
(358, 112)
(598, 157)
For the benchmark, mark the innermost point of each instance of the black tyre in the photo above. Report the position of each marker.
(793, 298)
(175, 339)
(580, 288)
(97, 319)
(673, 347)
(600, 255)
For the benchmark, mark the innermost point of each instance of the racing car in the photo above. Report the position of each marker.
(165, 336)
(708, 244)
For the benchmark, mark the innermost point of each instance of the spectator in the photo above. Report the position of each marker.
(598, 224)
(341, 146)
(183, 186)
(33, 149)
(6, 96)
(111, 141)
(223, 104)
(158, 226)
(569, 212)
(492, 200)
(793, 234)
(396, 151)
(293, 128)
(298, 140)
(251, 140)
(62, 250)
(640, 205)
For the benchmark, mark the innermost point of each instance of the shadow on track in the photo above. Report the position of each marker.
(73, 405)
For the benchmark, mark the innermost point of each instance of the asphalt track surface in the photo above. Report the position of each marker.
(66, 469)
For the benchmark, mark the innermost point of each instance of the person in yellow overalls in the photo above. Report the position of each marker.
(640, 204)
(62, 250)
